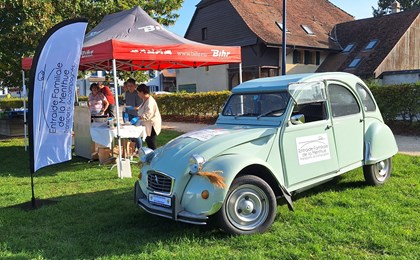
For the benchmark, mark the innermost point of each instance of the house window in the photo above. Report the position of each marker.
(371, 45)
(308, 57)
(280, 25)
(318, 58)
(204, 33)
(297, 57)
(355, 62)
(269, 72)
(307, 29)
(348, 48)
(190, 88)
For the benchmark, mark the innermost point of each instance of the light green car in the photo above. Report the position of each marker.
(275, 137)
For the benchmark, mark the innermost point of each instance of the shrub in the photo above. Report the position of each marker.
(11, 103)
(398, 100)
(192, 104)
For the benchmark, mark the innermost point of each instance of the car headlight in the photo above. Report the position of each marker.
(196, 163)
(146, 155)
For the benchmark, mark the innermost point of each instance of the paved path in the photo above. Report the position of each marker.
(406, 144)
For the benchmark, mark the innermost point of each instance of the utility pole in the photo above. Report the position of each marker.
(283, 56)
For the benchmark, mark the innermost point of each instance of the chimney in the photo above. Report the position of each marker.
(395, 7)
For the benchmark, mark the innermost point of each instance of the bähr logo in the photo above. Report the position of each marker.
(150, 28)
(220, 53)
(88, 53)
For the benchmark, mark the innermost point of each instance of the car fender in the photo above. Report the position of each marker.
(380, 143)
(229, 166)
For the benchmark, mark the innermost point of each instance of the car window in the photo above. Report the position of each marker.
(256, 104)
(343, 102)
(368, 103)
(312, 111)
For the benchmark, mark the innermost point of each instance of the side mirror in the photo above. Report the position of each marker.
(297, 119)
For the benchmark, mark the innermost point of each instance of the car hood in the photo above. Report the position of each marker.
(209, 142)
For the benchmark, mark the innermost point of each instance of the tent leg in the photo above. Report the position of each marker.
(240, 73)
(117, 117)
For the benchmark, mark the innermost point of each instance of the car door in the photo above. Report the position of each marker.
(347, 125)
(308, 148)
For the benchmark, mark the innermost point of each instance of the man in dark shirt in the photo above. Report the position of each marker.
(132, 102)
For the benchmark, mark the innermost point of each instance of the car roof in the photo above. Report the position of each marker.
(281, 82)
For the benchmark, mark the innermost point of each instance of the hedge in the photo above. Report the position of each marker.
(397, 100)
(189, 104)
(9, 103)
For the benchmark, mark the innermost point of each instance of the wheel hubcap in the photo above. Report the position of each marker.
(382, 169)
(247, 207)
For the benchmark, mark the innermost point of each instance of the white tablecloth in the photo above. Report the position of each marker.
(103, 135)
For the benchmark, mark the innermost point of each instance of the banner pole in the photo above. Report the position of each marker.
(25, 127)
(33, 201)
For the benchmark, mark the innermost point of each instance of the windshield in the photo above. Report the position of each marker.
(257, 105)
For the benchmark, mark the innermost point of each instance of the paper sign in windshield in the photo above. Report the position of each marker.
(314, 148)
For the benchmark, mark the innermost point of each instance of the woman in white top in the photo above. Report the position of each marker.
(97, 101)
(149, 115)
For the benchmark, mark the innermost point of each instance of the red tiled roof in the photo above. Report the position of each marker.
(319, 15)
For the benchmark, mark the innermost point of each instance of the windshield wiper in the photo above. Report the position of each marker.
(246, 114)
(270, 112)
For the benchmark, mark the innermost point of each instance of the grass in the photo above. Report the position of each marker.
(95, 217)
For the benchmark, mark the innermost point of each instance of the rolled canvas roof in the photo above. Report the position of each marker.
(137, 42)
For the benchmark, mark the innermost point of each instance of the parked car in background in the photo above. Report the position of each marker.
(275, 137)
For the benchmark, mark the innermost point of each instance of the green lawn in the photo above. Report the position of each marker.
(95, 217)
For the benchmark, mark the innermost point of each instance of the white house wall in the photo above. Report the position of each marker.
(213, 78)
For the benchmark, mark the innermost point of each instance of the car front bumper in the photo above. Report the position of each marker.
(174, 212)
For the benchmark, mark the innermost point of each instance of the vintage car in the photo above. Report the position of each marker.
(274, 137)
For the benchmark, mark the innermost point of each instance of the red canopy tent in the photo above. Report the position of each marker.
(131, 40)
(137, 42)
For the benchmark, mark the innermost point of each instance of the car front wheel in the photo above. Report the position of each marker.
(250, 206)
(378, 173)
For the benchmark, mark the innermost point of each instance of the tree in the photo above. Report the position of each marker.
(24, 22)
(384, 6)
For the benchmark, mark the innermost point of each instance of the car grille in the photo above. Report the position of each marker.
(159, 182)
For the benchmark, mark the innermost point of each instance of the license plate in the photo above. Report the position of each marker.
(160, 200)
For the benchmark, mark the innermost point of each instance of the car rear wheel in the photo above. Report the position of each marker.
(378, 173)
(250, 206)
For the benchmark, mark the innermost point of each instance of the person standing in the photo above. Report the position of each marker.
(109, 96)
(97, 101)
(149, 115)
(132, 100)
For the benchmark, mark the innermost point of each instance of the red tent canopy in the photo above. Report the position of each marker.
(26, 63)
(138, 42)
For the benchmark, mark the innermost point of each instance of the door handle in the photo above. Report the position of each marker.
(328, 127)
(361, 120)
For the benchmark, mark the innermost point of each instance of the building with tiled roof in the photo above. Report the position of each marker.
(317, 39)
(374, 47)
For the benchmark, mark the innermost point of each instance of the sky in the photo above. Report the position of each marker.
(358, 8)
